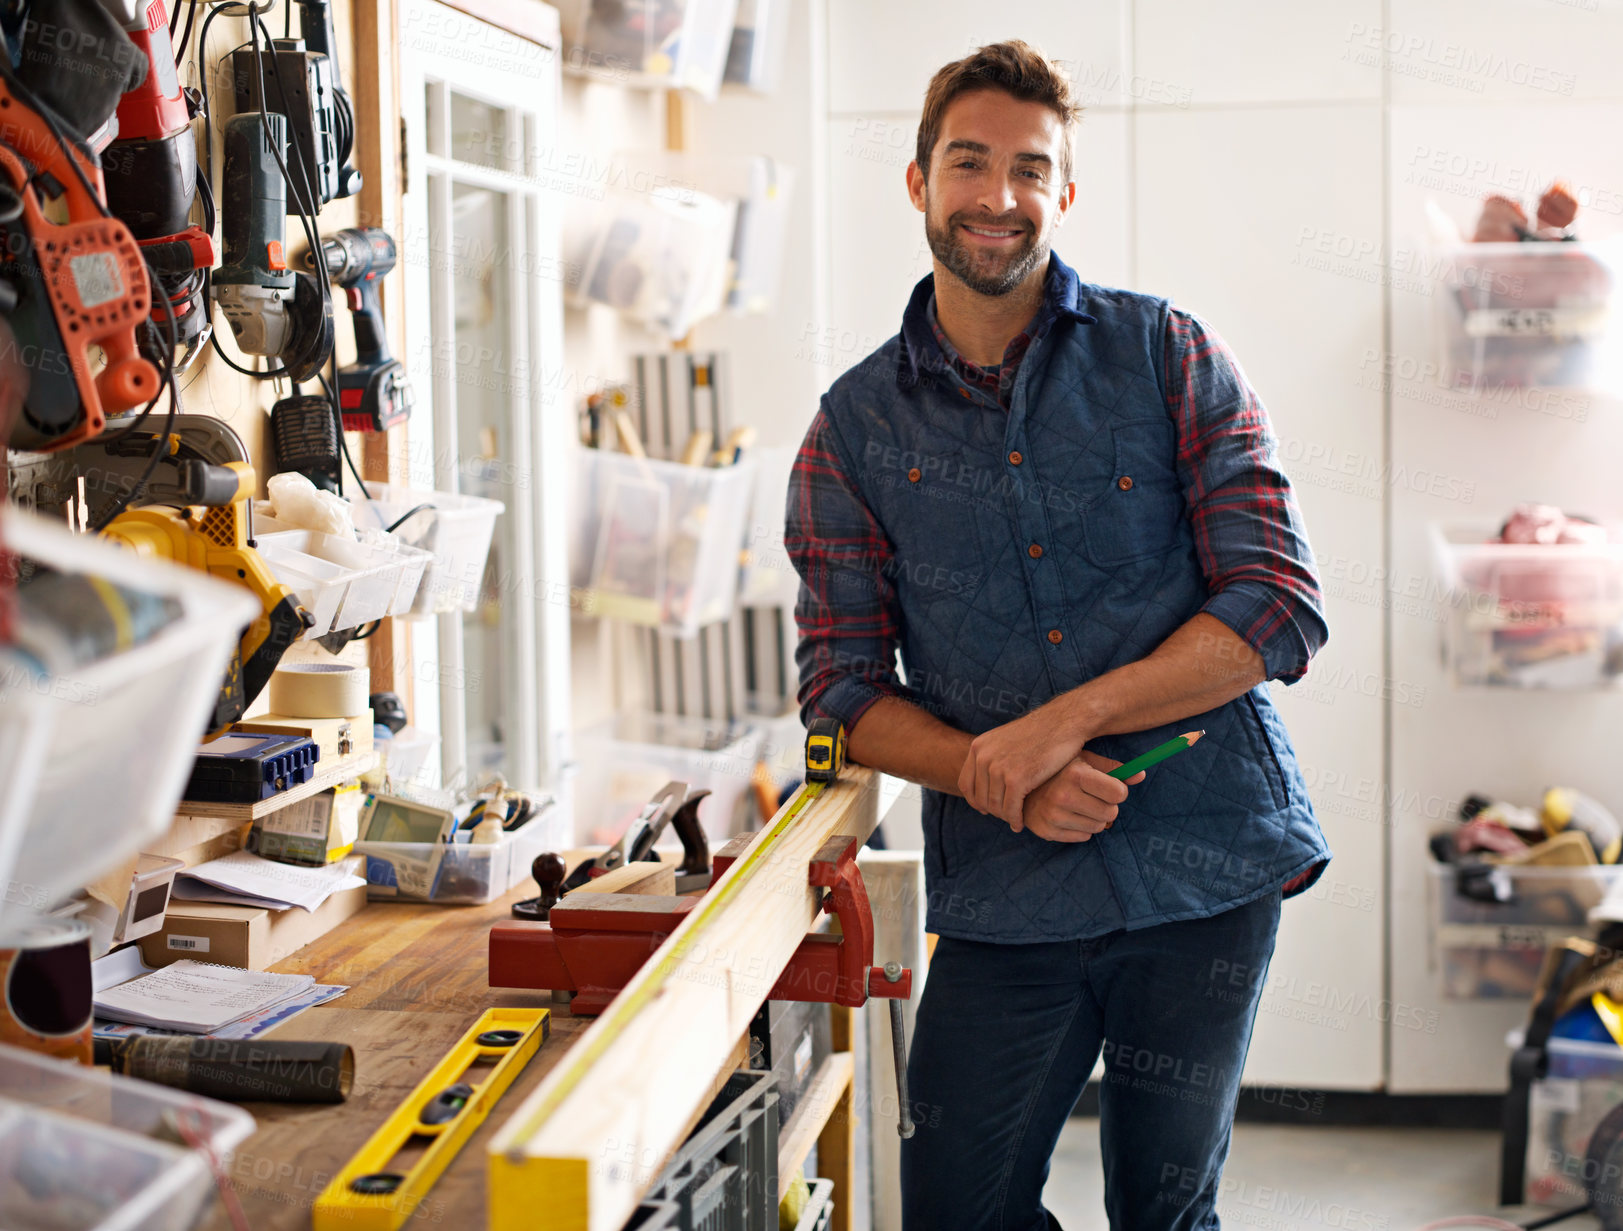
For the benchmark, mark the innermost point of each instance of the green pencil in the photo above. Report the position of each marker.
(1155, 756)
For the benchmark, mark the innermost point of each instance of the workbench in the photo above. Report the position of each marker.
(417, 979)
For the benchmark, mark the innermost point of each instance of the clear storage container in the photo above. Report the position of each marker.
(760, 38)
(658, 543)
(455, 529)
(626, 759)
(659, 255)
(354, 581)
(1529, 315)
(460, 873)
(670, 44)
(1494, 950)
(1531, 615)
(111, 744)
(1584, 1083)
(1532, 315)
(82, 1149)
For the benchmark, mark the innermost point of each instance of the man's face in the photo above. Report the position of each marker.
(993, 199)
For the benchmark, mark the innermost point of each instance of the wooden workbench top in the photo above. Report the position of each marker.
(416, 976)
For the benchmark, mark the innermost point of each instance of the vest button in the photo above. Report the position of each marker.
(1125, 482)
(1015, 459)
(965, 392)
(1035, 551)
(914, 475)
(1055, 636)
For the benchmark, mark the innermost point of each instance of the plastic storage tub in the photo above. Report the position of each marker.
(1531, 616)
(627, 758)
(658, 543)
(459, 873)
(1533, 315)
(353, 580)
(760, 39)
(83, 1149)
(674, 44)
(112, 743)
(1494, 950)
(1584, 1083)
(455, 529)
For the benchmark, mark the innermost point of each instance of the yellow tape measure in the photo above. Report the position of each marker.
(444, 1109)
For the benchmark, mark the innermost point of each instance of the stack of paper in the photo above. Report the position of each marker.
(198, 997)
(244, 879)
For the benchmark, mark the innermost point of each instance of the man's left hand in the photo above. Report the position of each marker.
(1007, 763)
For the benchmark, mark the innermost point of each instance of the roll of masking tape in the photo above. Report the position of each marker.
(318, 690)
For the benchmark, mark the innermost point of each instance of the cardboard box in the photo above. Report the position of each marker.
(336, 737)
(313, 831)
(248, 937)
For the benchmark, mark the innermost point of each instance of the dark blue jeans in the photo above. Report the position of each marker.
(1007, 1036)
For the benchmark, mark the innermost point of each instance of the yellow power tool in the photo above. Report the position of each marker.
(217, 538)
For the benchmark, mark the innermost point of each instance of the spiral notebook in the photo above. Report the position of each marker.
(197, 997)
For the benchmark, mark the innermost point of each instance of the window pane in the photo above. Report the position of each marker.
(479, 133)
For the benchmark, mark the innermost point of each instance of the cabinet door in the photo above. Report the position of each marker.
(484, 302)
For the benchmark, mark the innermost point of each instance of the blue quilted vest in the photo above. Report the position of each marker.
(1209, 830)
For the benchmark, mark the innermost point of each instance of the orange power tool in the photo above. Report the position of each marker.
(69, 287)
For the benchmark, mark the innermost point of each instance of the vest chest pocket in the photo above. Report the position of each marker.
(1137, 514)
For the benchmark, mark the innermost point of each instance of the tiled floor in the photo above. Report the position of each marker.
(1285, 1178)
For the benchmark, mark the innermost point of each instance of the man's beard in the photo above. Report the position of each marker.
(985, 275)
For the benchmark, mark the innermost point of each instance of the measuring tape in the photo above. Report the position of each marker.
(365, 1196)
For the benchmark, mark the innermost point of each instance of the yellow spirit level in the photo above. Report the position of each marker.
(445, 1110)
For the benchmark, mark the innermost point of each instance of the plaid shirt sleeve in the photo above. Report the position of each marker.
(1249, 536)
(847, 611)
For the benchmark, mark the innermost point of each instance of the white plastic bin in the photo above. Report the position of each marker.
(658, 543)
(760, 39)
(1584, 1083)
(455, 529)
(1532, 315)
(84, 1150)
(1531, 616)
(629, 757)
(668, 44)
(660, 256)
(362, 581)
(1494, 950)
(116, 739)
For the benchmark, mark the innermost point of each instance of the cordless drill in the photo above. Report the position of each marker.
(373, 392)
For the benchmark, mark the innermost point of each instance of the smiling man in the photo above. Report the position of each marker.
(1060, 504)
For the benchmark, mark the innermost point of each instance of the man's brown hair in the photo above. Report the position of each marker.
(1012, 66)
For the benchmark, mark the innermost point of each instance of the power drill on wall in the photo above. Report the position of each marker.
(373, 392)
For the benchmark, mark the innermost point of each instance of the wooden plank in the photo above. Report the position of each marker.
(581, 1150)
(375, 87)
(640, 877)
(328, 774)
(813, 1113)
(837, 1156)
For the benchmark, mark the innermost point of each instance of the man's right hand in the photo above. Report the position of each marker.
(1078, 802)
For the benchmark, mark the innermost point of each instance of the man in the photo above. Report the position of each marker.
(1061, 505)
